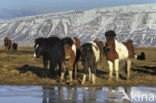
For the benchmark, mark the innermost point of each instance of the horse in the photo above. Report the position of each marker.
(90, 55)
(117, 51)
(141, 56)
(7, 43)
(71, 45)
(52, 50)
(101, 47)
(14, 46)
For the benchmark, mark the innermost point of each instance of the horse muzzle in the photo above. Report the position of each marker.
(67, 58)
(35, 55)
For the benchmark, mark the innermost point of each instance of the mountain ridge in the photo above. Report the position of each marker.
(136, 22)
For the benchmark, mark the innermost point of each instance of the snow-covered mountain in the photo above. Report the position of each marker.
(136, 22)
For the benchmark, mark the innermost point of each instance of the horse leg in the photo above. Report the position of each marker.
(93, 72)
(128, 68)
(110, 70)
(76, 67)
(116, 64)
(90, 74)
(52, 67)
(60, 67)
(85, 72)
(71, 73)
(45, 64)
(9, 47)
(63, 71)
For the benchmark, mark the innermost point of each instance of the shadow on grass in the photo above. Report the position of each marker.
(145, 69)
(40, 72)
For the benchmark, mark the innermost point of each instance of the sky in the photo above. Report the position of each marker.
(18, 8)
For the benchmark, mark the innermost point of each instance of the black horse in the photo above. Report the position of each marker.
(52, 50)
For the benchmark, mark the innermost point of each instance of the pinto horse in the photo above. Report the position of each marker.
(7, 43)
(90, 54)
(117, 51)
(71, 45)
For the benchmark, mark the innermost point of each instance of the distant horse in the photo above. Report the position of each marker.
(117, 51)
(7, 43)
(101, 47)
(141, 56)
(70, 46)
(14, 46)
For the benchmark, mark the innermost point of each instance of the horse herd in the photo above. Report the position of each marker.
(8, 44)
(65, 53)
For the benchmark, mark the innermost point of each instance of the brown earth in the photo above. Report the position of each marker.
(20, 68)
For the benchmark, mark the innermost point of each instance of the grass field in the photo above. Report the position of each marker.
(20, 68)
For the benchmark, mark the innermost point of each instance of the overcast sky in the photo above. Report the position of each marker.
(13, 8)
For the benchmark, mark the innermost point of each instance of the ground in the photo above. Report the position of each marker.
(20, 68)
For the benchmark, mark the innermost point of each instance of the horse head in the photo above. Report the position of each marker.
(39, 47)
(68, 51)
(110, 38)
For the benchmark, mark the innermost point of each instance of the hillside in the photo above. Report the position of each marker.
(136, 22)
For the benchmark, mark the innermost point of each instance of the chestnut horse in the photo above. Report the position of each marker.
(117, 51)
(7, 43)
(71, 45)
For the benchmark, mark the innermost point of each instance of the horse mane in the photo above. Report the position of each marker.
(68, 40)
(38, 40)
(129, 40)
(110, 33)
(50, 40)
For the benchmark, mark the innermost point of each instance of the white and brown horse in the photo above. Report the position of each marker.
(71, 45)
(117, 51)
(90, 55)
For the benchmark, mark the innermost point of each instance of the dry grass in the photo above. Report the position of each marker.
(20, 68)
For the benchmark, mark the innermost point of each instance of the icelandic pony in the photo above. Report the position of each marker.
(90, 54)
(51, 49)
(71, 45)
(14, 46)
(7, 43)
(117, 51)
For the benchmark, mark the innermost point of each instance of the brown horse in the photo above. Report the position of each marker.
(70, 57)
(117, 51)
(7, 43)
(101, 47)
